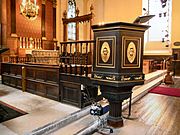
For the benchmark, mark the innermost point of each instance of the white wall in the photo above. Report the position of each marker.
(125, 11)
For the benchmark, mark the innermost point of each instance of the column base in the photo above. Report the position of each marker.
(115, 122)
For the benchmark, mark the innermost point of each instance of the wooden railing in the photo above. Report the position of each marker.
(76, 57)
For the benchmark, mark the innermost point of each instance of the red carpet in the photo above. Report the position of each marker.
(166, 91)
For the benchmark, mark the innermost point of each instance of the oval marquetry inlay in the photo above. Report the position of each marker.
(105, 52)
(131, 52)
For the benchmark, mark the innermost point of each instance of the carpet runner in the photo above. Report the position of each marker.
(166, 91)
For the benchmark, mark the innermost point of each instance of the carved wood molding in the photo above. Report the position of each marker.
(77, 19)
(44, 2)
(54, 3)
(84, 18)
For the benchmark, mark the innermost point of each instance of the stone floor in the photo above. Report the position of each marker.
(42, 111)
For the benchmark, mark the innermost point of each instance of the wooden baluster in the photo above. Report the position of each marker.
(70, 59)
(76, 59)
(81, 59)
(66, 60)
(60, 60)
(27, 43)
(24, 43)
(65, 46)
(16, 59)
(37, 46)
(86, 59)
(20, 42)
(40, 45)
(35, 41)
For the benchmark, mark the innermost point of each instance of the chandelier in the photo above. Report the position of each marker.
(29, 9)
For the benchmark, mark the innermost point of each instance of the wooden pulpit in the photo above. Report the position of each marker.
(118, 63)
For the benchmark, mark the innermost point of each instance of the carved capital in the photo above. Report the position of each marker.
(65, 14)
(77, 12)
(91, 8)
(54, 3)
(44, 2)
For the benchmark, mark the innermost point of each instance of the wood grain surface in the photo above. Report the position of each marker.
(160, 112)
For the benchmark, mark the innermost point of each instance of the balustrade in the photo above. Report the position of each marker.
(76, 57)
(30, 43)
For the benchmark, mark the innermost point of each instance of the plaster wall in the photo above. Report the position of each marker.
(175, 22)
(106, 11)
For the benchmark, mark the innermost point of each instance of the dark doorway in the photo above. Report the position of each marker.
(8, 112)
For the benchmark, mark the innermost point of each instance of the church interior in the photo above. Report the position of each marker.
(89, 67)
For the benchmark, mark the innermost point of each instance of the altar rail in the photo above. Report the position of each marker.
(76, 57)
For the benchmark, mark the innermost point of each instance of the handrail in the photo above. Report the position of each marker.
(80, 41)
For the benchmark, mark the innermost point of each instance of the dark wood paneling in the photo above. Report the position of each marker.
(176, 67)
(0, 35)
(0, 11)
(176, 54)
(50, 76)
(29, 73)
(5, 80)
(52, 92)
(40, 75)
(43, 81)
(71, 92)
(30, 86)
(48, 44)
(11, 75)
(19, 83)
(176, 62)
(40, 89)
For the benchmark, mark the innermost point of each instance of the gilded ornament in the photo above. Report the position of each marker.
(131, 52)
(105, 52)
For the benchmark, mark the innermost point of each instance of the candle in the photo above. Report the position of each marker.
(34, 2)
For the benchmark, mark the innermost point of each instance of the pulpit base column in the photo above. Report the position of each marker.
(115, 114)
(115, 96)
